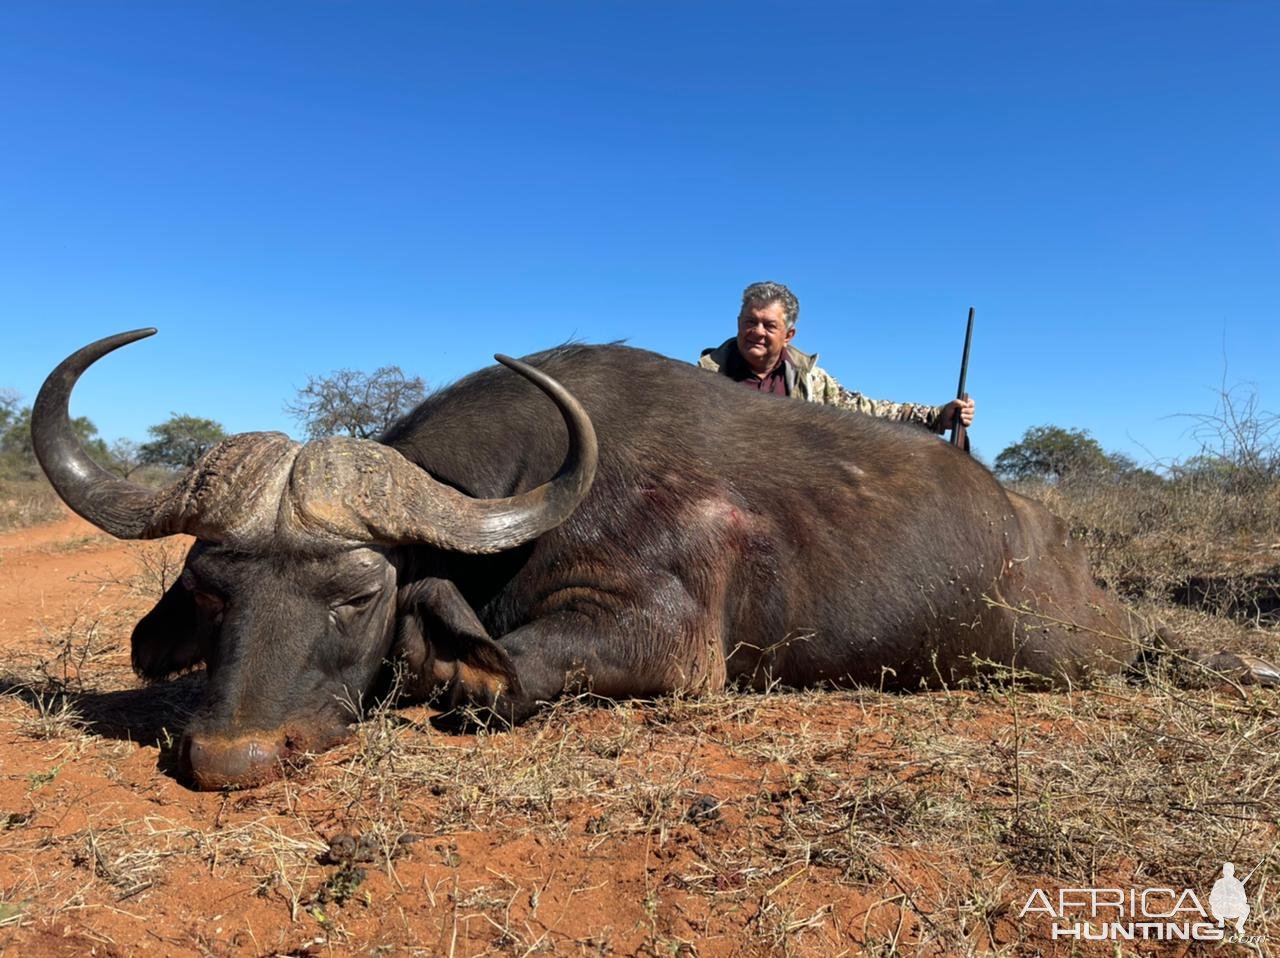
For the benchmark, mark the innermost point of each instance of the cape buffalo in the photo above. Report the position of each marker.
(651, 528)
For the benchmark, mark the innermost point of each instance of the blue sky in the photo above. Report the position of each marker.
(288, 188)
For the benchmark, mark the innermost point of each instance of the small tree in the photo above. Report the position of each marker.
(126, 457)
(9, 400)
(180, 440)
(1239, 441)
(15, 439)
(1052, 453)
(352, 403)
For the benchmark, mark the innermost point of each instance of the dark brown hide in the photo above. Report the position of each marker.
(733, 537)
(728, 537)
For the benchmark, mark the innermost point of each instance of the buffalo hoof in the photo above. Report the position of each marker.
(213, 762)
(1260, 672)
(1245, 669)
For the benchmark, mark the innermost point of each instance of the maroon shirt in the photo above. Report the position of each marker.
(775, 381)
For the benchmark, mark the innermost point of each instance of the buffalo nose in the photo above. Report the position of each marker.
(212, 762)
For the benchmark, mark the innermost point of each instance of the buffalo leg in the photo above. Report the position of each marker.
(561, 653)
(444, 646)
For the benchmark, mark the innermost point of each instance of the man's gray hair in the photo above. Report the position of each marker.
(760, 295)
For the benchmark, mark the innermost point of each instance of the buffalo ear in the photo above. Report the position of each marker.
(172, 637)
(443, 643)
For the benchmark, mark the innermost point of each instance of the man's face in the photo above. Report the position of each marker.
(762, 336)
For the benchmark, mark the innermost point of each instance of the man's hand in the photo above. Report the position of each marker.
(965, 407)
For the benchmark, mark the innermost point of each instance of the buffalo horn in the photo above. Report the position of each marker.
(356, 489)
(342, 489)
(489, 525)
(119, 507)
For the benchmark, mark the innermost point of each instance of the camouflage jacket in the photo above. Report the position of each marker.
(807, 380)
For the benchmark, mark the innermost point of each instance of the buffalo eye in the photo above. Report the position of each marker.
(360, 603)
(209, 603)
(208, 600)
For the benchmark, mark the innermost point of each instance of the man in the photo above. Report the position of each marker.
(762, 358)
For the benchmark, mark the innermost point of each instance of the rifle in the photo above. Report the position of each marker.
(960, 435)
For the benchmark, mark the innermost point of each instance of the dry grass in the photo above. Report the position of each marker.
(1193, 542)
(789, 823)
(27, 503)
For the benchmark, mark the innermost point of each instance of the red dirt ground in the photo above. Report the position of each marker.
(816, 824)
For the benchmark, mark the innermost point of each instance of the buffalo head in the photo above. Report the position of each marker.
(292, 594)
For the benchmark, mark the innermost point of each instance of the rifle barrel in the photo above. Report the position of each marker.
(964, 362)
(959, 437)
